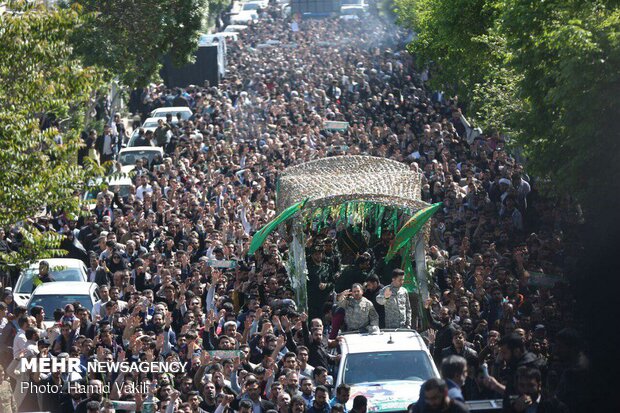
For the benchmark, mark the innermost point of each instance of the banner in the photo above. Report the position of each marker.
(222, 263)
(335, 125)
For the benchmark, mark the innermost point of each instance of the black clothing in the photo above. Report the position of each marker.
(317, 274)
(454, 406)
(264, 405)
(372, 297)
(317, 352)
(468, 353)
(527, 359)
(351, 275)
(443, 336)
(546, 405)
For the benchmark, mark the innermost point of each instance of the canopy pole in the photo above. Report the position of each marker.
(296, 265)
(420, 261)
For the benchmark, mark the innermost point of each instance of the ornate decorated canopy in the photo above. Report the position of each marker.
(340, 179)
(355, 190)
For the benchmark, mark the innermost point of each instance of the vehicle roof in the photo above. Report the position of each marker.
(60, 262)
(110, 181)
(172, 109)
(65, 287)
(124, 180)
(368, 343)
(152, 119)
(142, 148)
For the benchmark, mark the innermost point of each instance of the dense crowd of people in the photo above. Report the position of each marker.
(493, 330)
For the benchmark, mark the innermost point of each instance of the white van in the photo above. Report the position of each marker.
(387, 368)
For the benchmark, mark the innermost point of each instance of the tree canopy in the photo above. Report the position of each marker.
(44, 91)
(546, 73)
(41, 87)
(131, 37)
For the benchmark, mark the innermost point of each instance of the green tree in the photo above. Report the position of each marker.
(131, 37)
(453, 39)
(39, 79)
(568, 53)
(547, 72)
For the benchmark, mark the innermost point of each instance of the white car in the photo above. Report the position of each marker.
(263, 4)
(61, 269)
(210, 39)
(244, 17)
(128, 156)
(388, 368)
(58, 294)
(185, 112)
(247, 14)
(351, 12)
(121, 184)
(360, 4)
(235, 28)
(150, 124)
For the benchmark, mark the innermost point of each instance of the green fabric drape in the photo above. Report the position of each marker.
(411, 228)
(259, 238)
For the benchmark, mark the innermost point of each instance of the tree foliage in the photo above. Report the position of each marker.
(39, 77)
(547, 72)
(131, 37)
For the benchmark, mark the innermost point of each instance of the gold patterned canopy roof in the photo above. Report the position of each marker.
(339, 179)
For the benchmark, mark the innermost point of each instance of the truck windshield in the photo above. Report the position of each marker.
(387, 366)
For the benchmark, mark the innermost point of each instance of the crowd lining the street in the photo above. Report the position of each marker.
(493, 332)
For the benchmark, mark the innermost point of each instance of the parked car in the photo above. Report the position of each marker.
(58, 294)
(120, 184)
(388, 368)
(185, 112)
(263, 4)
(61, 269)
(128, 156)
(235, 28)
(350, 4)
(352, 13)
(210, 39)
(247, 14)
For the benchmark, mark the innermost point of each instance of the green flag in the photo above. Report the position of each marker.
(411, 228)
(259, 238)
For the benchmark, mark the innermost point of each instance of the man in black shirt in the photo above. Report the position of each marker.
(445, 330)
(373, 286)
(434, 399)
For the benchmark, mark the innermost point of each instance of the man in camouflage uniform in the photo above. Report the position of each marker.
(395, 299)
(7, 401)
(360, 313)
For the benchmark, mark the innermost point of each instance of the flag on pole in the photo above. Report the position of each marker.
(408, 231)
(259, 238)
